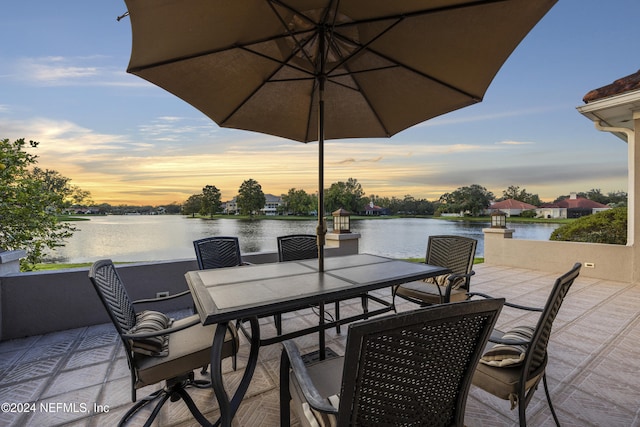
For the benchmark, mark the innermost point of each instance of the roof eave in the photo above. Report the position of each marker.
(614, 111)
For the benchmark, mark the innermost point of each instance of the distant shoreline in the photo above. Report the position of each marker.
(514, 219)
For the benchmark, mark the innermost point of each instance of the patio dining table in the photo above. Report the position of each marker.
(227, 294)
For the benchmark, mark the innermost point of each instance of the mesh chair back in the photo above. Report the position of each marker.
(113, 295)
(297, 246)
(414, 368)
(536, 358)
(453, 252)
(217, 252)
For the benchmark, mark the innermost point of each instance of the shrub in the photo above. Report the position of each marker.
(609, 226)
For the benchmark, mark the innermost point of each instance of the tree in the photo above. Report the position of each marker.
(473, 199)
(210, 200)
(596, 195)
(347, 195)
(617, 198)
(250, 197)
(56, 183)
(28, 206)
(192, 205)
(298, 202)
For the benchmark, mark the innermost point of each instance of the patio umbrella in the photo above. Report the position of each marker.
(312, 70)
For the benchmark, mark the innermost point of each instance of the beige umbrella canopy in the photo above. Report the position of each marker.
(312, 70)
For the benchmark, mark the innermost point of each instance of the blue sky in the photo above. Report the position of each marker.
(63, 83)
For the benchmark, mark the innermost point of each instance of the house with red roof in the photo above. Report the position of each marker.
(510, 207)
(572, 207)
(375, 210)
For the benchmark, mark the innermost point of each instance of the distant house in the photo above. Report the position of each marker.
(580, 206)
(572, 207)
(230, 207)
(272, 203)
(374, 210)
(551, 210)
(511, 207)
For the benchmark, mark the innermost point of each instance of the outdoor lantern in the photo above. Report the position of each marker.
(498, 219)
(341, 221)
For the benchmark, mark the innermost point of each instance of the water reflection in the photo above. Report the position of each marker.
(155, 238)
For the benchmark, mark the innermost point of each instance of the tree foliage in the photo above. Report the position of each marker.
(250, 197)
(54, 182)
(347, 195)
(514, 192)
(210, 200)
(608, 226)
(298, 202)
(29, 204)
(473, 199)
(192, 205)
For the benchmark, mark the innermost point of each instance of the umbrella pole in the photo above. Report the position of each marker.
(321, 229)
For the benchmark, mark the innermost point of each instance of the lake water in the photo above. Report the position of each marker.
(168, 237)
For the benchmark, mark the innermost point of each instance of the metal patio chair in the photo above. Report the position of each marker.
(453, 252)
(412, 368)
(218, 252)
(515, 361)
(158, 348)
(295, 247)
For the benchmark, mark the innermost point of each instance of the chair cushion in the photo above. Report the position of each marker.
(326, 376)
(150, 321)
(428, 292)
(443, 280)
(189, 349)
(317, 419)
(501, 355)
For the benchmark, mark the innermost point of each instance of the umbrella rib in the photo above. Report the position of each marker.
(366, 47)
(291, 33)
(419, 12)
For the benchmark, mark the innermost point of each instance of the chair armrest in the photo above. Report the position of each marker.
(508, 304)
(451, 279)
(311, 394)
(161, 332)
(180, 294)
(509, 342)
(455, 276)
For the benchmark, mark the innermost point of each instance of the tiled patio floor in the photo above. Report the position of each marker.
(594, 369)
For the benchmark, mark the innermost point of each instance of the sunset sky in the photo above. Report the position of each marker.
(63, 83)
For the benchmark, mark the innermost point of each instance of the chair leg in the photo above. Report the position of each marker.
(182, 393)
(365, 304)
(156, 410)
(174, 390)
(546, 391)
(141, 404)
(285, 395)
(393, 298)
(277, 319)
